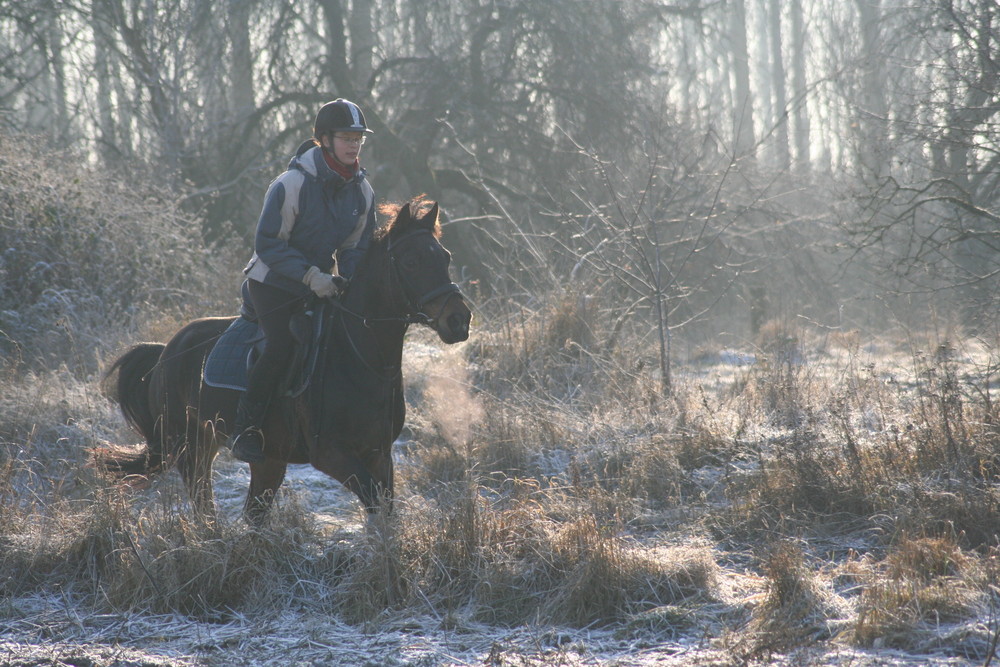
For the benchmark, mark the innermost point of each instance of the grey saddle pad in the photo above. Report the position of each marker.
(227, 363)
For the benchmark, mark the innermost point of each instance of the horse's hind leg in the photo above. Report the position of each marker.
(195, 465)
(265, 479)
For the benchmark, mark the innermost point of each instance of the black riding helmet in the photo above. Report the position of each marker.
(339, 115)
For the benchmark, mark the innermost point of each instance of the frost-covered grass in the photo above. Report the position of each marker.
(812, 498)
(758, 513)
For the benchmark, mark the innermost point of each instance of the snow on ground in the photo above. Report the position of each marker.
(49, 629)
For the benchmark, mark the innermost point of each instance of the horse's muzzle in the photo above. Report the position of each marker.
(457, 327)
(452, 319)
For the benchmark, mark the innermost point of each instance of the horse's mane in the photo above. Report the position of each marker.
(419, 206)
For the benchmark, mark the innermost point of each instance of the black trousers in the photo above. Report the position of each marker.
(275, 308)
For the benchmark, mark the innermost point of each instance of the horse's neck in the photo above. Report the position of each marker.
(376, 332)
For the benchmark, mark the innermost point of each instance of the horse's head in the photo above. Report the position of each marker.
(418, 264)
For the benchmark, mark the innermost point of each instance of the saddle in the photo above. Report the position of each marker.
(228, 364)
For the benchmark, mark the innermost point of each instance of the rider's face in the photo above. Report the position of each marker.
(345, 146)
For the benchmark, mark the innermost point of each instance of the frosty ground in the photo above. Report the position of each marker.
(54, 628)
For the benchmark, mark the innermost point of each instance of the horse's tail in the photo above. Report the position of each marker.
(127, 383)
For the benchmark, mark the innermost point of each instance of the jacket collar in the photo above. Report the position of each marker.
(312, 163)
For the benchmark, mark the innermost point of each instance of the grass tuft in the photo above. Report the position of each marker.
(923, 581)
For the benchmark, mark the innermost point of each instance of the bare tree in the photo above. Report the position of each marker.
(28, 94)
(934, 215)
(800, 110)
(743, 100)
(778, 82)
(488, 106)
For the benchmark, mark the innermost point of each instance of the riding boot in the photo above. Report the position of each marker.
(247, 440)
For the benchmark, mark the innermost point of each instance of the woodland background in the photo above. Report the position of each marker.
(693, 161)
(730, 394)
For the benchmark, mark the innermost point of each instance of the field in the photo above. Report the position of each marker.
(806, 495)
(815, 499)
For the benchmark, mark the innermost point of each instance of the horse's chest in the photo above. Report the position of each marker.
(372, 417)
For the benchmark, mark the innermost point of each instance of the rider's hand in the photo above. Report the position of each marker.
(322, 284)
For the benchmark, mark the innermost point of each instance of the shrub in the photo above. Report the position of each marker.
(84, 253)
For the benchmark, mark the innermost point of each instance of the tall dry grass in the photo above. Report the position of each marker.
(838, 488)
(919, 451)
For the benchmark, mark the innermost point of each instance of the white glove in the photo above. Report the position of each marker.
(322, 284)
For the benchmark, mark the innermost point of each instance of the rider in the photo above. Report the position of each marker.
(317, 220)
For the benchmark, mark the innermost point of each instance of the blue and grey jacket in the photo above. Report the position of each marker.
(311, 217)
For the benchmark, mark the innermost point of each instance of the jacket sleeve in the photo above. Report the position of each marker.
(274, 228)
(350, 253)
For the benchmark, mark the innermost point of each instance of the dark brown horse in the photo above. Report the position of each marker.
(344, 424)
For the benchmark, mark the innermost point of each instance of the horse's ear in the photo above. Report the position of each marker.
(404, 212)
(430, 218)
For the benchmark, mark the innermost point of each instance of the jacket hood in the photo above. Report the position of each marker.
(306, 161)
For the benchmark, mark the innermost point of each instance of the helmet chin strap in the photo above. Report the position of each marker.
(332, 154)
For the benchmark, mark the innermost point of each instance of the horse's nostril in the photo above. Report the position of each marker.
(457, 323)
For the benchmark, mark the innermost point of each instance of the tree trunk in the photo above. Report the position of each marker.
(241, 98)
(57, 66)
(362, 41)
(800, 108)
(872, 117)
(743, 133)
(778, 86)
(337, 67)
(107, 140)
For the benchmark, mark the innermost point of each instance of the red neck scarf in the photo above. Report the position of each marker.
(346, 171)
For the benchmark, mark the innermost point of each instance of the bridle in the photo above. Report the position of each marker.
(414, 304)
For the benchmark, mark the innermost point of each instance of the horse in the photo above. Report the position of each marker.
(343, 424)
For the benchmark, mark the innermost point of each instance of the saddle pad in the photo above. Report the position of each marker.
(226, 366)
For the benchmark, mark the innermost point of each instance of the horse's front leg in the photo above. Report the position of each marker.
(265, 479)
(351, 471)
(380, 466)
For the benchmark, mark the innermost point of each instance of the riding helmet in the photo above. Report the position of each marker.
(339, 115)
